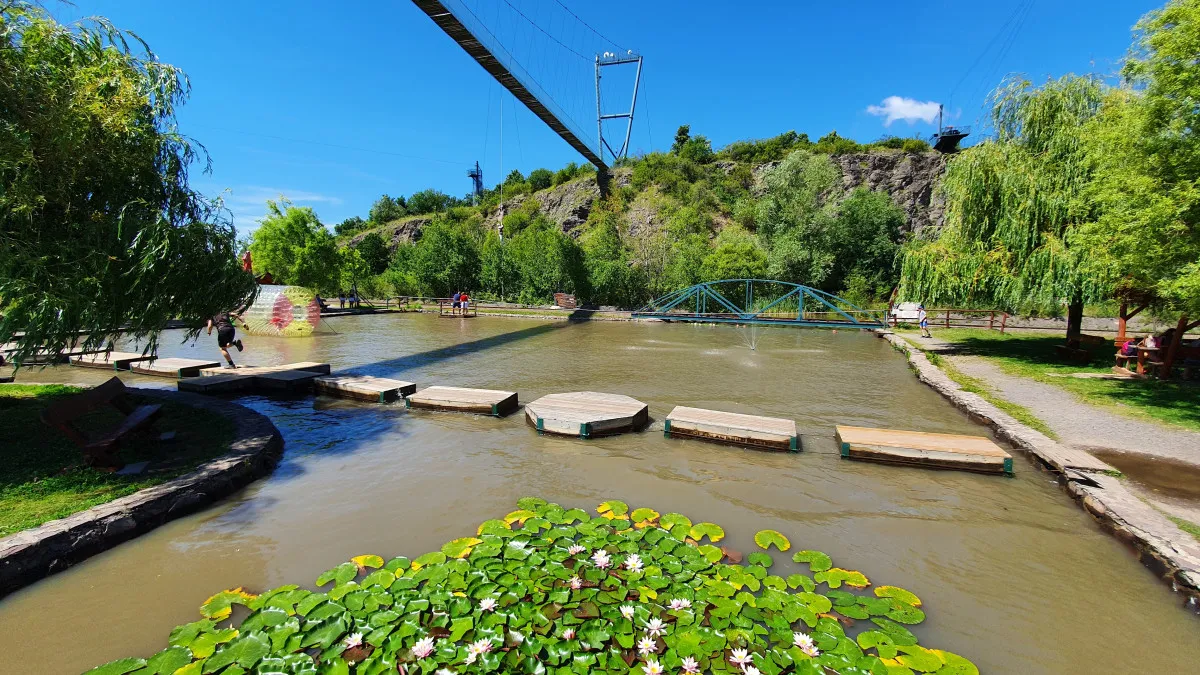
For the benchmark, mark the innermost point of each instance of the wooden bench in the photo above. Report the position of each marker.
(100, 452)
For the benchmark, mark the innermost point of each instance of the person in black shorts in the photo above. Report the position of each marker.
(225, 335)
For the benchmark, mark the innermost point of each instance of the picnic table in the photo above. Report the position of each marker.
(1148, 356)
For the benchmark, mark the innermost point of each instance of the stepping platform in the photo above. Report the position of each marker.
(217, 384)
(915, 448)
(109, 361)
(727, 427)
(486, 401)
(364, 387)
(586, 414)
(309, 366)
(176, 368)
(286, 380)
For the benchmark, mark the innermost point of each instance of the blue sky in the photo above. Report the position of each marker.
(334, 105)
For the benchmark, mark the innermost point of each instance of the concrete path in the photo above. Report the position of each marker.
(1082, 424)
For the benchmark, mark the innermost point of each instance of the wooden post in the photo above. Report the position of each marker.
(947, 318)
(992, 320)
(1003, 322)
(1121, 323)
(1173, 349)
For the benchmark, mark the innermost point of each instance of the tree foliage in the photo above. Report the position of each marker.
(100, 232)
(293, 245)
(386, 209)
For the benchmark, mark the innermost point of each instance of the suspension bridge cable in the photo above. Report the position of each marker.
(589, 26)
(988, 47)
(997, 63)
(543, 30)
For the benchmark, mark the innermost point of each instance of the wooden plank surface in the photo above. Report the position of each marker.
(489, 401)
(920, 440)
(216, 384)
(586, 413)
(736, 428)
(287, 380)
(310, 366)
(364, 387)
(172, 367)
(110, 360)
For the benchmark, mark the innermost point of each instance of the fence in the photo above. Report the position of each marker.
(990, 319)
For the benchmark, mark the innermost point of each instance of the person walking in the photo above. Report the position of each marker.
(226, 336)
(923, 321)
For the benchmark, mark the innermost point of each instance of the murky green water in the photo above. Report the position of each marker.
(1013, 574)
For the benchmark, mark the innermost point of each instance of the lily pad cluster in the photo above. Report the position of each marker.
(548, 589)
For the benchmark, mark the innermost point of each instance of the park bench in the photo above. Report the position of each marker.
(101, 451)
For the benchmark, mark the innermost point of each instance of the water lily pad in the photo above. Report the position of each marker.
(531, 503)
(955, 664)
(644, 515)
(220, 605)
(431, 558)
(365, 561)
(761, 559)
(920, 659)
(906, 614)
(837, 576)
(119, 667)
(768, 538)
(339, 575)
(817, 561)
(712, 553)
(898, 594)
(518, 516)
(669, 520)
(460, 548)
(613, 510)
(713, 531)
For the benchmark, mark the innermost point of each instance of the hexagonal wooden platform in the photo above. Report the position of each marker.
(586, 414)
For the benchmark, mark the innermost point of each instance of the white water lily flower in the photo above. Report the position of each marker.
(655, 627)
(444, 671)
(653, 668)
(423, 648)
(477, 649)
(568, 634)
(353, 640)
(575, 549)
(647, 645)
(811, 650)
(600, 559)
(802, 640)
(576, 583)
(690, 665)
(741, 657)
(627, 611)
(751, 670)
(487, 604)
(633, 563)
(680, 603)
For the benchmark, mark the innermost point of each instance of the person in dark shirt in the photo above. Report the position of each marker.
(225, 335)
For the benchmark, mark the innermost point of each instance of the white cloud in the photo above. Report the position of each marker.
(907, 109)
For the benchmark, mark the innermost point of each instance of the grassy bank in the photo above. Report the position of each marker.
(1033, 356)
(43, 478)
(976, 386)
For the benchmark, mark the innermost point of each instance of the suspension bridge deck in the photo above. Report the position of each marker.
(459, 399)
(586, 414)
(736, 428)
(916, 448)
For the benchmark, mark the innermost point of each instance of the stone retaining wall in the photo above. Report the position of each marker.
(1168, 551)
(28, 556)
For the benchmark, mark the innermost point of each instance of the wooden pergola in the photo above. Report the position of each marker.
(1140, 301)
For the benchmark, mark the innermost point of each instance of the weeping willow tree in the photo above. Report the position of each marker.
(1012, 205)
(100, 234)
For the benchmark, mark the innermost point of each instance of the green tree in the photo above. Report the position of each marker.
(429, 201)
(498, 273)
(612, 278)
(682, 135)
(1012, 206)
(793, 194)
(540, 179)
(737, 255)
(547, 262)
(293, 245)
(100, 232)
(349, 226)
(374, 252)
(446, 259)
(386, 209)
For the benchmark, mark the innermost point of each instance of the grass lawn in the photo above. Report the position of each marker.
(42, 475)
(1032, 355)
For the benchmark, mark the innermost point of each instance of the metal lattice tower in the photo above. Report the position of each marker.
(609, 59)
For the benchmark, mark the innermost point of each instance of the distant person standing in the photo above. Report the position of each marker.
(923, 321)
(456, 302)
(226, 337)
(341, 299)
(464, 301)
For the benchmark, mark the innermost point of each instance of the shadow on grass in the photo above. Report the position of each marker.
(1035, 356)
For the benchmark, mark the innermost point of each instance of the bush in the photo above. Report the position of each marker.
(446, 259)
(832, 144)
(547, 261)
(737, 255)
(566, 174)
(768, 150)
(350, 226)
(385, 209)
(429, 201)
(540, 179)
(374, 253)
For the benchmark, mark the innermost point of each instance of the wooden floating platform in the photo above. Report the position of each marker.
(586, 414)
(109, 360)
(286, 380)
(727, 427)
(915, 448)
(176, 368)
(364, 387)
(217, 384)
(486, 401)
(309, 366)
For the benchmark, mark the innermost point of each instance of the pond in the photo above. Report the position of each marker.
(1013, 574)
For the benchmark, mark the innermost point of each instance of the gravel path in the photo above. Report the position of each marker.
(1081, 424)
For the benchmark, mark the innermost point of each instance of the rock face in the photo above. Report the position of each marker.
(910, 178)
(403, 231)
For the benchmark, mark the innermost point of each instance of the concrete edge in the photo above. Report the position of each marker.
(30, 555)
(1161, 546)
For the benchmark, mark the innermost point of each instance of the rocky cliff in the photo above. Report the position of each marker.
(910, 178)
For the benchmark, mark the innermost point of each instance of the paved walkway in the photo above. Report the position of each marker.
(1082, 424)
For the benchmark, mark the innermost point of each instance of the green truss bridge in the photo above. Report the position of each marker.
(763, 302)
